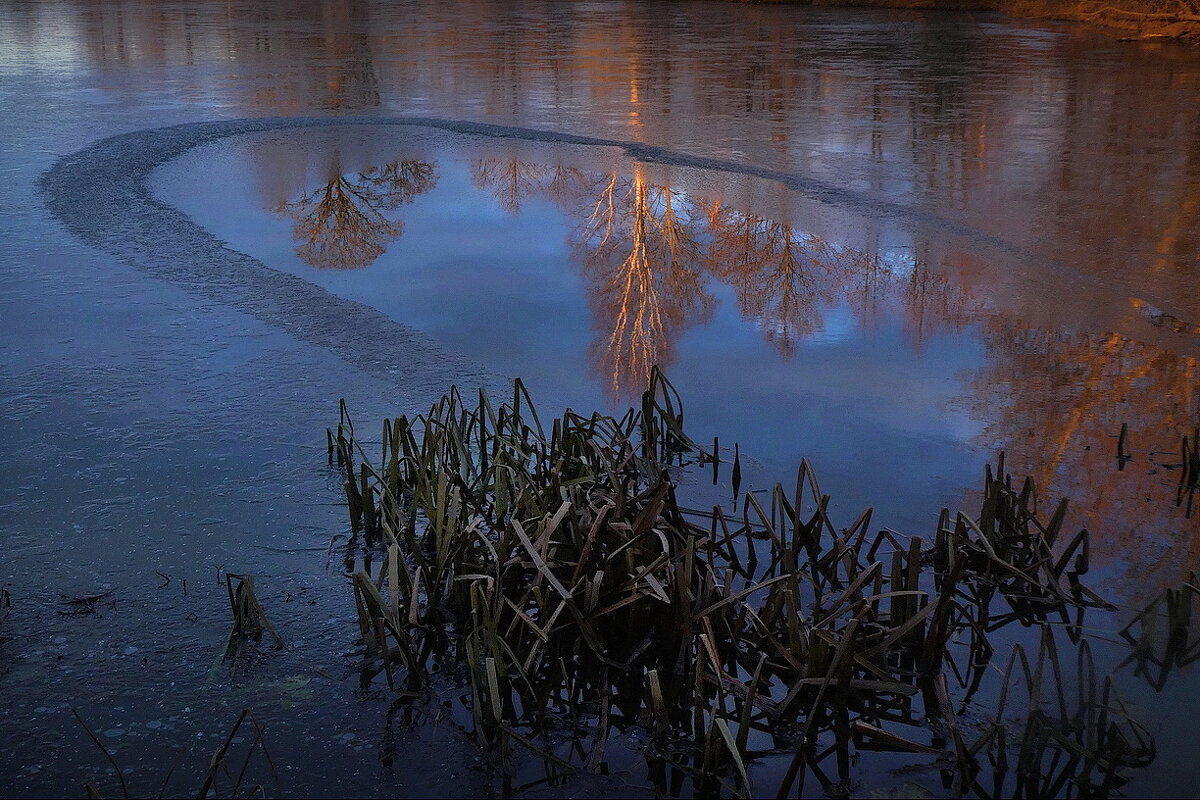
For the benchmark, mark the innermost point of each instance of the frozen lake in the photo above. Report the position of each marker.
(893, 243)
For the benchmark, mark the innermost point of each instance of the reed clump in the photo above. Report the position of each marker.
(553, 570)
(1161, 637)
(249, 618)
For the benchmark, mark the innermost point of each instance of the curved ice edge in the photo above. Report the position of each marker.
(102, 195)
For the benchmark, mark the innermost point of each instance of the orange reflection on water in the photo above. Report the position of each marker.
(641, 256)
(1082, 158)
(1056, 401)
(1073, 152)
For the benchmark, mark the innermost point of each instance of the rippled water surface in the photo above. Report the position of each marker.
(893, 243)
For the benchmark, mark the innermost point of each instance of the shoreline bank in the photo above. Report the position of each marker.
(1139, 20)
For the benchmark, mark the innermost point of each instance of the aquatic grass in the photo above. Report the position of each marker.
(550, 569)
(249, 618)
(1065, 743)
(219, 779)
(91, 788)
(1160, 637)
(220, 764)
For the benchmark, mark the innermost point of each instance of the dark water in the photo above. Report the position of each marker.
(889, 242)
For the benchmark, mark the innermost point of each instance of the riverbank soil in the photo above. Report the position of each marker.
(1139, 19)
(1135, 19)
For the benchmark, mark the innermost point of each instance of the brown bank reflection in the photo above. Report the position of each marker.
(1057, 401)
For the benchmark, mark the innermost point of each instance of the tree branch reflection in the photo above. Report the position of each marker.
(652, 254)
(342, 225)
(641, 255)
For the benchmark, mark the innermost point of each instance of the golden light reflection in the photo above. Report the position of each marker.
(651, 255)
(1056, 401)
(1098, 170)
(640, 253)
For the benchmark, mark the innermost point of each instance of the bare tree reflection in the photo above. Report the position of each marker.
(566, 182)
(933, 303)
(510, 180)
(648, 252)
(640, 249)
(342, 224)
(781, 276)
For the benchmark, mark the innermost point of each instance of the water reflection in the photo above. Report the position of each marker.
(640, 249)
(655, 257)
(342, 224)
(781, 279)
(1046, 139)
(1057, 400)
(650, 253)
(1082, 158)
